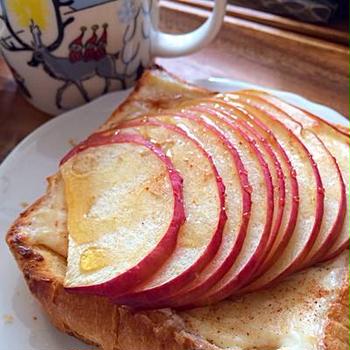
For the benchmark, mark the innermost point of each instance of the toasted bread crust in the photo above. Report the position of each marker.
(93, 319)
(156, 90)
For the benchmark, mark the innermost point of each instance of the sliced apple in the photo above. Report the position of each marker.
(333, 183)
(204, 198)
(337, 142)
(285, 186)
(237, 205)
(254, 247)
(243, 269)
(260, 189)
(125, 207)
(310, 198)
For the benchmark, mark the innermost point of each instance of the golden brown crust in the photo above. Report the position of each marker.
(160, 90)
(93, 319)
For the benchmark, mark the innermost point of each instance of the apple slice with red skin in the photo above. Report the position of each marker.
(110, 183)
(338, 145)
(311, 196)
(333, 183)
(337, 142)
(204, 198)
(238, 204)
(253, 249)
(286, 209)
(238, 274)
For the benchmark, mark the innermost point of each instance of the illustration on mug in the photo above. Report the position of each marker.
(19, 80)
(87, 54)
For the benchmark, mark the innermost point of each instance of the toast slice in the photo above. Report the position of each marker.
(307, 311)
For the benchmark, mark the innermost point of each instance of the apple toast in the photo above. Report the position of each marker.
(308, 310)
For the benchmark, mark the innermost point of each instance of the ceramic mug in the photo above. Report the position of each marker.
(64, 53)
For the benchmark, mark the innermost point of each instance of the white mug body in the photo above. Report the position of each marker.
(66, 53)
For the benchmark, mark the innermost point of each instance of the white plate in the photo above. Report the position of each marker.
(23, 326)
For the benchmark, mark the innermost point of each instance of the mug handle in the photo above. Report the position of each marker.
(2, 27)
(172, 45)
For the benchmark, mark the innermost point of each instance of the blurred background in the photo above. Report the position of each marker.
(313, 11)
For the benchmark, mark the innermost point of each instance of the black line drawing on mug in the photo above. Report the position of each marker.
(88, 59)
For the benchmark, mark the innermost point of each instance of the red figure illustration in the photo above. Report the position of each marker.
(101, 51)
(91, 45)
(76, 47)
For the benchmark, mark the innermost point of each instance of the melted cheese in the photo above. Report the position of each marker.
(47, 225)
(289, 316)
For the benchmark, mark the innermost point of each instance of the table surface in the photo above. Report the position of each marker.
(18, 118)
